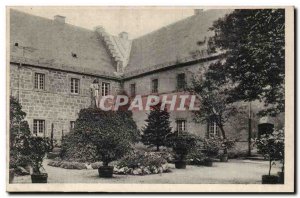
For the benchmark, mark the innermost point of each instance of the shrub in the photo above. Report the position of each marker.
(109, 135)
(182, 144)
(196, 156)
(272, 147)
(211, 147)
(38, 147)
(96, 165)
(227, 144)
(18, 132)
(68, 165)
(166, 152)
(140, 163)
(75, 148)
(31, 150)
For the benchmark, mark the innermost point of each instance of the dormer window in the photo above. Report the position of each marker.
(74, 55)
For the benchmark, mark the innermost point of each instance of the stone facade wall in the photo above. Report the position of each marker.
(237, 127)
(55, 104)
(167, 83)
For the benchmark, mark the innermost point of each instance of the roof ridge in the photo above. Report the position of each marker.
(164, 27)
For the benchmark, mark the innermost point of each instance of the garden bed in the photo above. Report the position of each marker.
(68, 165)
(137, 163)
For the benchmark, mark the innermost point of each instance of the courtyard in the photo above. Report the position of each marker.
(236, 171)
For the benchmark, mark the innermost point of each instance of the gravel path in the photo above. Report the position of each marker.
(232, 172)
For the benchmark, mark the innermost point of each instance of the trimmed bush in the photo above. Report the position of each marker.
(211, 147)
(74, 148)
(182, 144)
(142, 163)
(100, 136)
(196, 155)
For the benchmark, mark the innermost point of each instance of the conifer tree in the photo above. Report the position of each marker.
(157, 128)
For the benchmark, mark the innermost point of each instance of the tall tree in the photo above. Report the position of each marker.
(157, 128)
(252, 41)
(213, 101)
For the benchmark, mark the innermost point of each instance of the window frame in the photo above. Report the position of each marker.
(37, 123)
(72, 125)
(73, 85)
(181, 82)
(132, 89)
(105, 88)
(154, 87)
(39, 79)
(183, 127)
(212, 129)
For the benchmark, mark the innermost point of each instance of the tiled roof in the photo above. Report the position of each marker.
(59, 45)
(173, 43)
(54, 43)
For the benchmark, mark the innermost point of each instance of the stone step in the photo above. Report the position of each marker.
(260, 158)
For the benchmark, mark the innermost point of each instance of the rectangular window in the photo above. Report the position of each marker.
(72, 125)
(74, 85)
(181, 81)
(213, 129)
(181, 126)
(105, 89)
(132, 89)
(39, 81)
(154, 85)
(38, 127)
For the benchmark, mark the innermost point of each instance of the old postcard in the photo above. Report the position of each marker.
(150, 99)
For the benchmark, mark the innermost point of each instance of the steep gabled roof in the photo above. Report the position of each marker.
(53, 44)
(174, 43)
(57, 44)
(118, 46)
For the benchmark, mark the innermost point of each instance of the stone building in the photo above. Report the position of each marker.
(53, 64)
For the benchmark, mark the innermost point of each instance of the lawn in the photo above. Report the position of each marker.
(232, 172)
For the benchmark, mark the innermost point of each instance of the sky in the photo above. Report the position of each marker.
(135, 21)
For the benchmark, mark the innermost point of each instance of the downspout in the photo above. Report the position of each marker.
(19, 68)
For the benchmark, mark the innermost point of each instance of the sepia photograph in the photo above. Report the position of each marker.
(150, 99)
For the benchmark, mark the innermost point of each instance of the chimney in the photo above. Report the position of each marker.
(123, 35)
(60, 19)
(198, 11)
